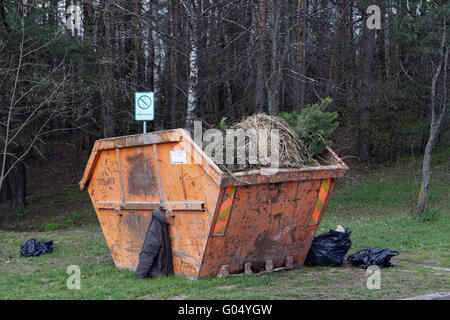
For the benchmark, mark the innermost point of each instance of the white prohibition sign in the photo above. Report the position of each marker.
(144, 106)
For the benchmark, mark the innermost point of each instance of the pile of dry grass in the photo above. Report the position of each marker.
(292, 151)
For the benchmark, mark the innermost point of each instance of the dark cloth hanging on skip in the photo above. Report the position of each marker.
(155, 258)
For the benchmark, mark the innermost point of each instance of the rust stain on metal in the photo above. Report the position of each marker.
(263, 248)
(141, 177)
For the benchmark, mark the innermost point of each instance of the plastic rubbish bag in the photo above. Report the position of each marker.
(329, 249)
(372, 256)
(33, 248)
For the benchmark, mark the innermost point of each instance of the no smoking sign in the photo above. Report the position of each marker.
(144, 106)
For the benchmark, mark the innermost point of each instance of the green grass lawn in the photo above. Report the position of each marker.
(378, 205)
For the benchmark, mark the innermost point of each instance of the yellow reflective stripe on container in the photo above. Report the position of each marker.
(321, 198)
(224, 212)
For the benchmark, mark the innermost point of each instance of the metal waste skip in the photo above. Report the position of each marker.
(219, 224)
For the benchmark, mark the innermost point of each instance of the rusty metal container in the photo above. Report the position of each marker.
(218, 223)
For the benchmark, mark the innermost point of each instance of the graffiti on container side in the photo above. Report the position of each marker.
(106, 180)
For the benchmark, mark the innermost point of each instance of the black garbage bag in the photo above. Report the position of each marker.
(34, 248)
(372, 256)
(155, 258)
(329, 249)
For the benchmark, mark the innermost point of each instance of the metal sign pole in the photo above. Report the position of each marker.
(145, 126)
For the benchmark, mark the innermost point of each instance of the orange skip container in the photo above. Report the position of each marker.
(218, 223)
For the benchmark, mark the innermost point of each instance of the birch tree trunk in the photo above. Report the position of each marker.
(192, 98)
(159, 61)
(437, 117)
(175, 31)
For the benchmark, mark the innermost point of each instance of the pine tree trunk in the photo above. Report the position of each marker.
(273, 88)
(260, 76)
(366, 95)
(300, 56)
(337, 39)
(109, 121)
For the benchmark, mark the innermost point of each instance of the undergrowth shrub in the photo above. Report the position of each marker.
(314, 125)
